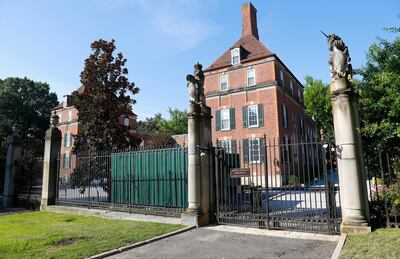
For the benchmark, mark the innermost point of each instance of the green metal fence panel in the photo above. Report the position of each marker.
(150, 178)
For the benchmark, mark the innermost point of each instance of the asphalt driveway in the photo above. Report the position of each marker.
(222, 242)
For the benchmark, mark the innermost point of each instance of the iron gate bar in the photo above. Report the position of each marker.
(307, 202)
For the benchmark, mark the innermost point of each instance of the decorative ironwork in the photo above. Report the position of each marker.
(290, 186)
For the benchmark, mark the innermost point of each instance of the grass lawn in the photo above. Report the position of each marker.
(381, 243)
(55, 235)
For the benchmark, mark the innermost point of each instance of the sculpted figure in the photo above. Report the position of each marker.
(339, 58)
(196, 86)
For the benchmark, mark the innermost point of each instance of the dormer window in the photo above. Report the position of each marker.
(235, 56)
(126, 121)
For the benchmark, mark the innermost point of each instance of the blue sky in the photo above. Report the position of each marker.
(49, 40)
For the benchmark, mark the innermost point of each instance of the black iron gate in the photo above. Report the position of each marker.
(278, 185)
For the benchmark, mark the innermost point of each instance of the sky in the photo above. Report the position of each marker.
(48, 41)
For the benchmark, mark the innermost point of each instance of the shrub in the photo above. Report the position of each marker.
(293, 181)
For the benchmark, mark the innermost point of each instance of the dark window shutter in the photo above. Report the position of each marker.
(218, 120)
(262, 150)
(244, 111)
(65, 139)
(232, 118)
(246, 150)
(234, 146)
(261, 115)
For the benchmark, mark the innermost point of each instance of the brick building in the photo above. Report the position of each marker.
(69, 126)
(252, 93)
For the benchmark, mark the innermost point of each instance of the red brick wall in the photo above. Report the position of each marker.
(237, 77)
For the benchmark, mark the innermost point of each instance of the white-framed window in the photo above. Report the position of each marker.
(67, 139)
(282, 77)
(60, 117)
(251, 77)
(223, 82)
(291, 87)
(252, 114)
(229, 145)
(66, 160)
(284, 116)
(69, 117)
(254, 150)
(225, 119)
(235, 56)
(299, 94)
(126, 121)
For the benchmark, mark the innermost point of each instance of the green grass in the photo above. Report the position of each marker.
(381, 243)
(56, 235)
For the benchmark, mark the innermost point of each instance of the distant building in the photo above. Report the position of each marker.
(69, 126)
(252, 95)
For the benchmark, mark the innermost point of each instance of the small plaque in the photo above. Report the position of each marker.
(240, 172)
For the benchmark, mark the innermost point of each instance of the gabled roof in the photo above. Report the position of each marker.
(251, 49)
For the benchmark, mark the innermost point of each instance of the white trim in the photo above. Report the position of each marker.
(248, 115)
(234, 52)
(254, 76)
(69, 115)
(251, 150)
(229, 119)
(226, 81)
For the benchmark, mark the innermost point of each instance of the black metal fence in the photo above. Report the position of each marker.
(28, 182)
(278, 184)
(142, 181)
(383, 184)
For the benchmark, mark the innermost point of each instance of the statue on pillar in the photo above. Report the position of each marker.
(339, 58)
(196, 86)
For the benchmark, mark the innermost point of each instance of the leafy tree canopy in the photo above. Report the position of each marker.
(318, 104)
(176, 124)
(27, 105)
(106, 96)
(379, 89)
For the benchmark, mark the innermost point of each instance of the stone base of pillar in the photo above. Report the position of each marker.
(195, 218)
(7, 201)
(354, 228)
(43, 204)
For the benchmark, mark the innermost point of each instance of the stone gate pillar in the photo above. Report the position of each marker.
(52, 145)
(13, 163)
(199, 143)
(352, 181)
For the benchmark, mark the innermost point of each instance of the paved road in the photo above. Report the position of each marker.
(212, 243)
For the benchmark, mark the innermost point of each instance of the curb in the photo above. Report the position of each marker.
(339, 247)
(138, 244)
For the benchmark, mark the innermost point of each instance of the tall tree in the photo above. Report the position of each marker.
(151, 125)
(27, 105)
(177, 123)
(106, 96)
(379, 89)
(318, 104)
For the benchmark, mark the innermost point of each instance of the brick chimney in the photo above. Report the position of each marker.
(249, 23)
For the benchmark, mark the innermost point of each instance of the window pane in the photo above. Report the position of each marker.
(225, 122)
(250, 77)
(253, 115)
(254, 150)
(223, 83)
